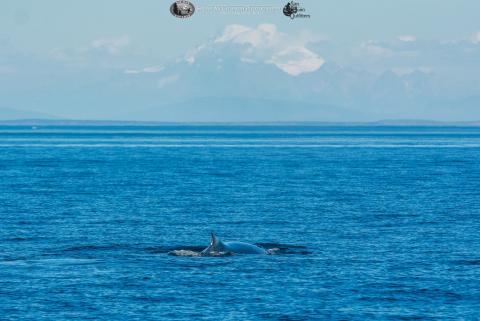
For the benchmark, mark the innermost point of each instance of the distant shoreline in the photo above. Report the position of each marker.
(388, 122)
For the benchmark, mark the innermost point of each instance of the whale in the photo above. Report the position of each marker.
(218, 246)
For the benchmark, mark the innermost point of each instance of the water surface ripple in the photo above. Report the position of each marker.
(373, 222)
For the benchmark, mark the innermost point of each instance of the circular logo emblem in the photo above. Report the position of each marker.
(290, 9)
(182, 9)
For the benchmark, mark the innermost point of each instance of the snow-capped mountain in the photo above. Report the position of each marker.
(242, 74)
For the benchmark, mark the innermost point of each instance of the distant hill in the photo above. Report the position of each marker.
(216, 109)
(15, 114)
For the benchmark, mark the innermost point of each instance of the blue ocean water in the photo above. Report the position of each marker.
(374, 222)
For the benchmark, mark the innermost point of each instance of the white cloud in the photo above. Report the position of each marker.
(265, 35)
(407, 38)
(231, 32)
(190, 55)
(162, 82)
(190, 58)
(147, 70)
(297, 60)
(475, 39)
(373, 48)
(247, 60)
(265, 43)
(112, 45)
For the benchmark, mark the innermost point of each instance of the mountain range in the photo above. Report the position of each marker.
(236, 78)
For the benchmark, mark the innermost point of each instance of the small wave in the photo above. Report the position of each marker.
(467, 262)
(278, 248)
(196, 254)
(19, 239)
(66, 261)
(91, 247)
(24, 261)
(168, 249)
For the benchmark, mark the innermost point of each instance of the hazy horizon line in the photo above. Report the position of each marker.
(107, 122)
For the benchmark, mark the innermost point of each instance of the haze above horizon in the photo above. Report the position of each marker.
(349, 62)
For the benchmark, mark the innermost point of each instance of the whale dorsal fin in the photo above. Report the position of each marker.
(213, 244)
(213, 239)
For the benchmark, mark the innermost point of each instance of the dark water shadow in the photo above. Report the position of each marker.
(285, 248)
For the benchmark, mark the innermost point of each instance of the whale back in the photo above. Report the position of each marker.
(216, 245)
(243, 248)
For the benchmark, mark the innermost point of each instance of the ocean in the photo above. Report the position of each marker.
(372, 222)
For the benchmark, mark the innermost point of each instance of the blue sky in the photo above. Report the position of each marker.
(38, 26)
(55, 50)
